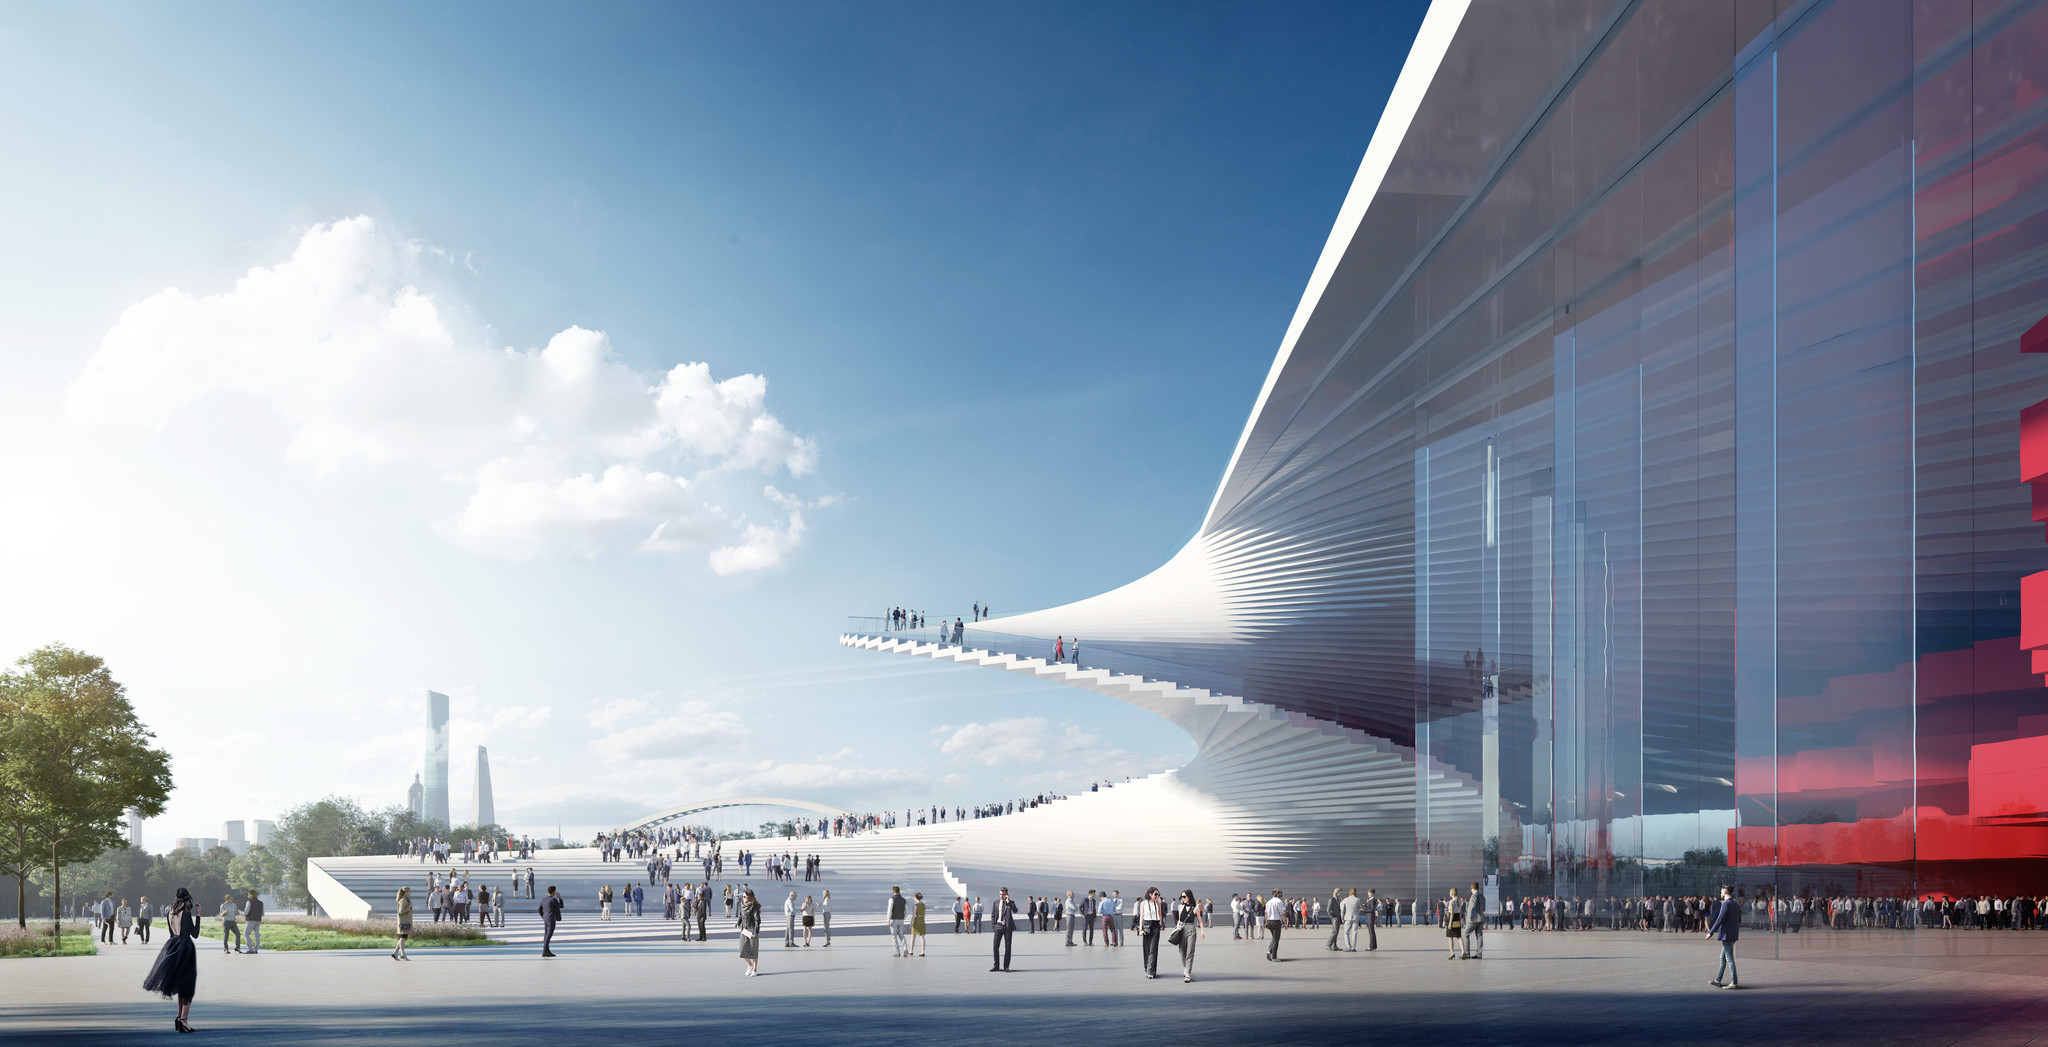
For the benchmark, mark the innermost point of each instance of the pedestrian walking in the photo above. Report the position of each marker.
(1475, 925)
(252, 921)
(1726, 928)
(1187, 929)
(917, 923)
(404, 923)
(229, 913)
(825, 916)
(124, 918)
(1276, 915)
(143, 914)
(899, 909)
(1151, 917)
(176, 970)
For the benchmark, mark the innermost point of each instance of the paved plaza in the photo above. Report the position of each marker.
(1862, 988)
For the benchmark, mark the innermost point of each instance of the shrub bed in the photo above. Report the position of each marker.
(289, 932)
(37, 940)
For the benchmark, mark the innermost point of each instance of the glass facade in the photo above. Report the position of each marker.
(1690, 427)
(1651, 460)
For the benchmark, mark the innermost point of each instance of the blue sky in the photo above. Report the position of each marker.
(1012, 275)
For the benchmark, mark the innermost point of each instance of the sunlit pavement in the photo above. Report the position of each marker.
(1863, 988)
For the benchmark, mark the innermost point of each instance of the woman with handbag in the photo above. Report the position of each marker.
(176, 970)
(1454, 923)
(404, 923)
(750, 933)
(1187, 928)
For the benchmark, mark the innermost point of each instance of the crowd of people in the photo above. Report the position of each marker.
(450, 897)
(475, 849)
(1102, 917)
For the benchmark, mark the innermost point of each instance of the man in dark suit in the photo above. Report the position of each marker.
(1370, 912)
(1475, 925)
(1726, 926)
(1004, 917)
(703, 907)
(1336, 924)
(550, 914)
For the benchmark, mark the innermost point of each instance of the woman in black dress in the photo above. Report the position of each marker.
(750, 933)
(176, 971)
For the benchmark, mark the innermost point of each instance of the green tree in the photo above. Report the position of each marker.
(75, 760)
(401, 824)
(205, 875)
(122, 870)
(336, 825)
(256, 870)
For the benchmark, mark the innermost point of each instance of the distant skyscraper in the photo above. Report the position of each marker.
(134, 827)
(264, 830)
(486, 812)
(435, 797)
(416, 798)
(232, 838)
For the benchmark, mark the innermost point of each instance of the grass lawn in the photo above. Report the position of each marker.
(288, 937)
(35, 940)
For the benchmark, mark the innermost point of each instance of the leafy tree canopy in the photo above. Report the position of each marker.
(74, 759)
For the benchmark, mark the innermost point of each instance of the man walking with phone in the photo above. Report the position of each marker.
(1005, 921)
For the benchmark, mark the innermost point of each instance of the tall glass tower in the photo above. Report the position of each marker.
(437, 757)
(485, 813)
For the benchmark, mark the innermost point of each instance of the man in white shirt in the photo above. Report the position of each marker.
(1276, 914)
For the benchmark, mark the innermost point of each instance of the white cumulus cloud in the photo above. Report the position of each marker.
(1022, 739)
(565, 447)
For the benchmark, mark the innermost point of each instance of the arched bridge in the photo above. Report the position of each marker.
(688, 809)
